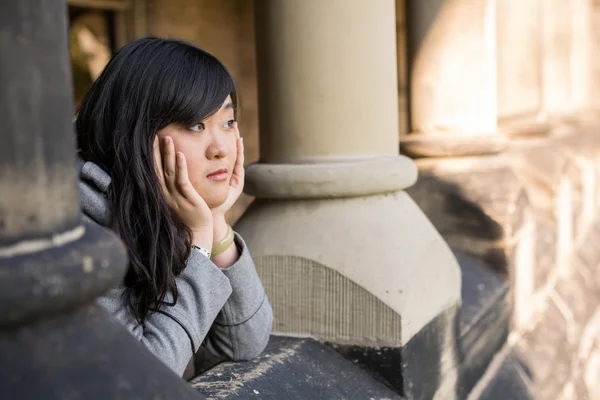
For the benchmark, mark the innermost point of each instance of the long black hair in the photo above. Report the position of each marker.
(147, 85)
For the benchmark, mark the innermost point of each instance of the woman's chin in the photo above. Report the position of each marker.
(215, 200)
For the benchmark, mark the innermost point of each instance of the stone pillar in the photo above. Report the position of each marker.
(519, 61)
(567, 62)
(582, 57)
(452, 75)
(595, 52)
(55, 342)
(454, 105)
(315, 88)
(345, 255)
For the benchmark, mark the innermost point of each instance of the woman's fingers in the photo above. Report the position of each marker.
(177, 189)
(183, 184)
(169, 163)
(238, 169)
(175, 178)
(236, 127)
(240, 158)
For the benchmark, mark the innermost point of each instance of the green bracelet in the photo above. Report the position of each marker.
(224, 244)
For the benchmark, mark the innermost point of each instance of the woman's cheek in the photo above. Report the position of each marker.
(193, 167)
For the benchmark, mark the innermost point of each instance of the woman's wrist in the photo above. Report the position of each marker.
(226, 257)
(203, 238)
(220, 228)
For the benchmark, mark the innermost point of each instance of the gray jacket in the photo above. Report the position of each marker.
(225, 310)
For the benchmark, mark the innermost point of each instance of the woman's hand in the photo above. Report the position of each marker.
(236, 183)
(179, 193)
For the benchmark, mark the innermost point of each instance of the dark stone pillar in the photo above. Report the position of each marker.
(55, 343)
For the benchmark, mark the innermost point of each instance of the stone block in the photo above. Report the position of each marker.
(509, 381)
(560, 348)
(467, 340)
(427, 367)
(545, 254)
(561, 176)
(484, 319)
(292, 368)
(545, 351)
(481, 208)
(476, 203)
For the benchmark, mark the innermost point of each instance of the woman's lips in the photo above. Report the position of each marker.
(218, 175)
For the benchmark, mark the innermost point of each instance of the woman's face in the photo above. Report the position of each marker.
(210, 150)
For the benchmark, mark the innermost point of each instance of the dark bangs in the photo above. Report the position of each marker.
(194, 86)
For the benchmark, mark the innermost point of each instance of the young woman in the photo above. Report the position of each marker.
(162, 162)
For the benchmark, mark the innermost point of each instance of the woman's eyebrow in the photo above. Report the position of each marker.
(228, 106)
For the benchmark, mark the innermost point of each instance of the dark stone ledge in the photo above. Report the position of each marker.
(292, 368)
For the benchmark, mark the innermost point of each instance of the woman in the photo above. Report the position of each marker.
(162, 164)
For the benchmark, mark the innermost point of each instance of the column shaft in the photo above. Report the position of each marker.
(55, 341)
(452, 66)
(327, 79)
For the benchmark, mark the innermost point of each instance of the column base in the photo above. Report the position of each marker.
(56, 343)
(533, 125)
(449, 145)
(353, 268)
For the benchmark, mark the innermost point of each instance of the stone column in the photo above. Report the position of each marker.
(345, 255)
(56, 343)
(452, 75)
(567, 61)
(582, 57)
(453, 57)
(520, 73)
(595, 52)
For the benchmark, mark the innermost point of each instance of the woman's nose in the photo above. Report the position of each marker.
(217, 148)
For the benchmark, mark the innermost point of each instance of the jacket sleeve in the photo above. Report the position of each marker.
(243, 326)
(174, 333)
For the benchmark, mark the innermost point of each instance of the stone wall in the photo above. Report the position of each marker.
(530, 214)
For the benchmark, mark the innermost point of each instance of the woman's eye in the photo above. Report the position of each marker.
(197, 128)
(229, 124)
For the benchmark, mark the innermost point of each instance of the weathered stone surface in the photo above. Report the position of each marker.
(476, 203)
(561, 346)
(538, 164)
(292, 368)
(481, 208)
(436, 145)
(427, 365)
(524, 127)
(483, 319)
(531, 214)
(561, 177)
(509, 381)
(544, 352)
(545, 251)
(451, 353)
(83, 355)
